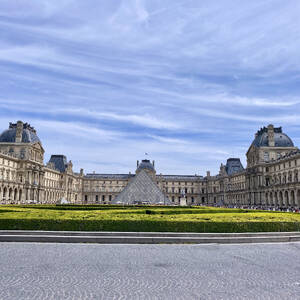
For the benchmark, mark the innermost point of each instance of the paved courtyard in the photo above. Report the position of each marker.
(82, 271)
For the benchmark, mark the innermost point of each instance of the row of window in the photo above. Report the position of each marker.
(99, 183)
(8, 163)
(97, 198)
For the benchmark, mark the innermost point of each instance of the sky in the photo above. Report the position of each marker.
(189, 82)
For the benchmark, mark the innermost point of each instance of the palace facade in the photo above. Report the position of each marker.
(270, 179)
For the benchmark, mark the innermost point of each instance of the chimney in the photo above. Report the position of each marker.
(81, 172)
(19, 132)
(271, 136)
(208, 173)
(137, 164)
(153, 162)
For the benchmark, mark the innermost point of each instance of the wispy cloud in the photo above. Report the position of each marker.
(145, 120)
(188, 81)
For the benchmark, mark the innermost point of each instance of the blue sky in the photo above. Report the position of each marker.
(189, 82)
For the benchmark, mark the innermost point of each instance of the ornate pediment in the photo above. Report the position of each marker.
(38, 146)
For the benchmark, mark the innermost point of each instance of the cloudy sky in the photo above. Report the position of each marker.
(187, 81)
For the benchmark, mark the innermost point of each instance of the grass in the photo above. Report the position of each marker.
(150, 218)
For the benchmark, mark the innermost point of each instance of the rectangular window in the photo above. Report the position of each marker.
(266, 156)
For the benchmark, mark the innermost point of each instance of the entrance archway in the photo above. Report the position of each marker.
(286, 198)
(298, 199)
(280, 199)
(10, 194)
(292, 199)
(275, 199)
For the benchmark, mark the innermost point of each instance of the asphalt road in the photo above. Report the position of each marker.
(93, 271)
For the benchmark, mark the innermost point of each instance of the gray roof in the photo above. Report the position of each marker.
(128, 176)
(281, 139)
(181, 177)
(145, 164)
(108, 176)
(141, 188)
(60, 162)
(28, 136)
(233, 166)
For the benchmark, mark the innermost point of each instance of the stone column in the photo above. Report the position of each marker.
(16, 196)
(6, 195)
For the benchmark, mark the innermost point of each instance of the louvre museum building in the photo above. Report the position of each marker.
(270, 179)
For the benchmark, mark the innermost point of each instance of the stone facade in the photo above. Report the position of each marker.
(23, 176)
(271, 178)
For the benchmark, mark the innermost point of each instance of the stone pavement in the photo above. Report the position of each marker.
(93, 271)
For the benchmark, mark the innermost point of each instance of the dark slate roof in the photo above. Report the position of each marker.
(233, 166)
(60, 162)
(145, 164)
(108, 176)
(181, 177)
(128, 176)
(281, 139)
(28, 136)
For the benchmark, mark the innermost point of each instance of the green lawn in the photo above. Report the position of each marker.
(132, 218)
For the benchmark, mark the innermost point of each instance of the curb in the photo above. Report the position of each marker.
(147, 237)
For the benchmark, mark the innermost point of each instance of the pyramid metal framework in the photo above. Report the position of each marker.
(141, 190)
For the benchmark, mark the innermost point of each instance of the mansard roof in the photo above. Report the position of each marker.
(128, 176)
(233, 166)
(29, 134)
(145, 164)
(281, 139)
(108, 176)
(60, 162)
(181, 177)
